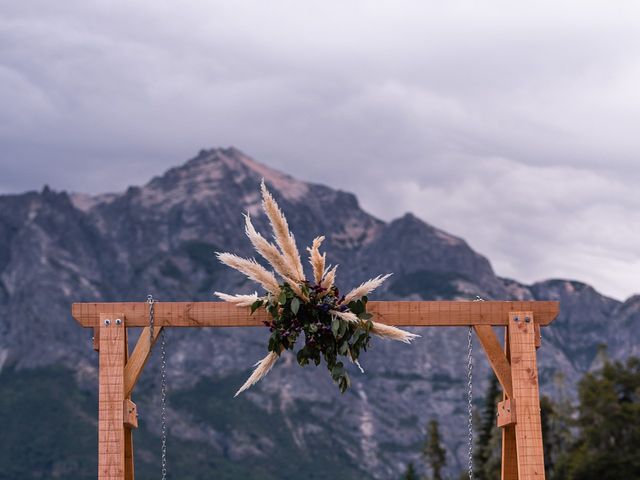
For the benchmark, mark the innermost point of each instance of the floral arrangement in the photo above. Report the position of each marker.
(332, 325)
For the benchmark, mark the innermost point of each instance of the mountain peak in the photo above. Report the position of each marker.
(234, 160)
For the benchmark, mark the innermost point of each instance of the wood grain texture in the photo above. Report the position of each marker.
(130, 415)
(223, 314)
(138, 359)
(496, 356)
(129, 463)
(524, 372)
(509, 469)
(111, 457)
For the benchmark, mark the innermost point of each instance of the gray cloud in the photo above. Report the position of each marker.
(512, 125)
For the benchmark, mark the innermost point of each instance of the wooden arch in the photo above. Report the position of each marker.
(514, 364)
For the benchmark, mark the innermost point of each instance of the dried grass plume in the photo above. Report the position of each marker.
(269, 251)
(365, 288)
(252, 269)
(237, 299)
(393, 333)
(262, 368)
(284, 238)
(316, 260)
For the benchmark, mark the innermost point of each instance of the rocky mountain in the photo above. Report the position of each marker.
(57, 248)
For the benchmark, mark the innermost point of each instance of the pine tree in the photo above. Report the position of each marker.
(434, 453)
(487, 448)
(411, 473)
(608, 425)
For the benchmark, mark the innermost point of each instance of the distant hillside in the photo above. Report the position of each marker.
(57, 248)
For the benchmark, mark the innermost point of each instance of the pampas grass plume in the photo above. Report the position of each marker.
(316, 260)
(393, 333)
(262, 368)
(284, 238)
(269, 251)
(365, 288)
(252, 269)
(237, 299)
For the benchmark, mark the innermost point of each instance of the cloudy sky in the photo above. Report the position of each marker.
(515, 125)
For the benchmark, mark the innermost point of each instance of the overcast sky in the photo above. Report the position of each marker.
(515, 125)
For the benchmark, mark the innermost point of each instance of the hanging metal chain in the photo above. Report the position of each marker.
(163, 383)
(470, 398)
(163, 400)
(151, 301)
(470, 393)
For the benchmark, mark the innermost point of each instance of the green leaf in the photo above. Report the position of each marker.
(256, 305)
(358, 334)
(365, 316)
(274, 343)
(335, 326)
(344, 383)
(356, 307)
(338, 369)
(282, 298)
(343, 328)
(302, 357)
(295, 305)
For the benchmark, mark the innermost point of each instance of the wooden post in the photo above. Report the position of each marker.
(524, 373)
(111, 465)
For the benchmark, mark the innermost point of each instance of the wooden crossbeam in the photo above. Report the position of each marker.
(222, 314)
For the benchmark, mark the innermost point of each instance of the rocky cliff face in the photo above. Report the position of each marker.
(57, 248)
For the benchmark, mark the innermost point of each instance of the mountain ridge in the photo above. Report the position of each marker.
(59, 247)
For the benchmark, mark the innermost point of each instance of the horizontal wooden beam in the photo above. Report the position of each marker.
(408, 314)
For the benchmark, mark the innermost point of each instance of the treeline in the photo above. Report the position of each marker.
(596, 439)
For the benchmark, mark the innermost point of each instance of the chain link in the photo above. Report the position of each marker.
(163, 382)
(152, 318)
(163, 400)
(470, 393)
(470, 398)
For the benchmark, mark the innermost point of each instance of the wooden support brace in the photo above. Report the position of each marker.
(138, 359)
(496, 356)
(111, 394)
